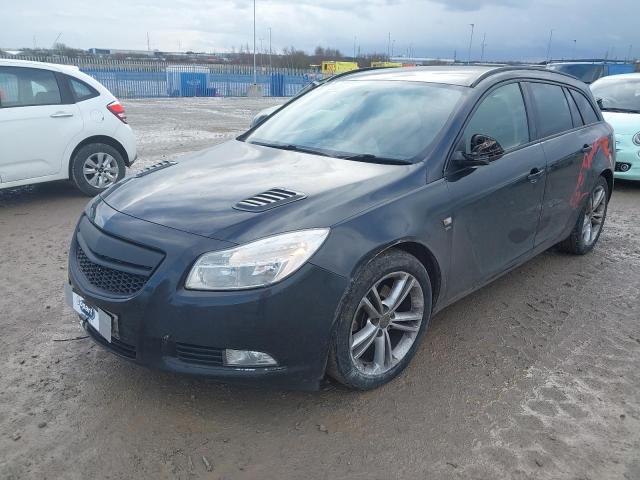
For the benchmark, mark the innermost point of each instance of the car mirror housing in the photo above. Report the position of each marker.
(263, 115)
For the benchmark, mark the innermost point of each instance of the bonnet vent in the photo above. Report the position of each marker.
(272, 198)
(155, 167)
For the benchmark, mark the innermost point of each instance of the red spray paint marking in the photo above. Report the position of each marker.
(578, 194)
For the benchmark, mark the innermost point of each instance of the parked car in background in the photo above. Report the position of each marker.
(590, 70)
(58, 123)
(323, 239)
(619, 100)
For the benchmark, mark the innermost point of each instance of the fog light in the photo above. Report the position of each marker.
(622, 167)
(248, 358)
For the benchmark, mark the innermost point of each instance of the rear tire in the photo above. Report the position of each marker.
(378, 331)
(95, 167)
(586, 232)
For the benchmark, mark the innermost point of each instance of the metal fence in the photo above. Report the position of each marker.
(154, 79)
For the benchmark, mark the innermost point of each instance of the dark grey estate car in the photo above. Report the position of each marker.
(322, 240)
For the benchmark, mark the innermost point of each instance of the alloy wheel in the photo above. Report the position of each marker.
(386, 323)
(100, 170)
(594, 215)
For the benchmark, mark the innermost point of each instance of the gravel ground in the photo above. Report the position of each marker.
(536, 376)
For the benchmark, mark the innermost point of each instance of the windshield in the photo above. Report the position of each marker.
(586, 72)
(363, 120)
(618, 94)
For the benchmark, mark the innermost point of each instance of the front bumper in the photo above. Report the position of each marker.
(627, 154)
(167, 327)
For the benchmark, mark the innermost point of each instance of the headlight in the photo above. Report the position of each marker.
(255, 264)
(636, 138)
(90, 209)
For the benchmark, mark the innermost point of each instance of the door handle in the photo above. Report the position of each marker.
(61, 115)
(535, 174)
(586, 148)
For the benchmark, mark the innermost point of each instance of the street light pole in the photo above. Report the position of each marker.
(470, 43)
(573, 56)
(355, 38)
(270, 66)
(549, 45)
(255, 73)
(484, 37)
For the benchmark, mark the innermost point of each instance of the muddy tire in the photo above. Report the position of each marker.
(381, 322)
(586, 232)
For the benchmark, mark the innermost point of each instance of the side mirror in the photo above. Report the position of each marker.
(262, 115)
(484, 149)
(460, 160)
(600, 104)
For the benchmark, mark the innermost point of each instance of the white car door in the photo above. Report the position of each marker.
(35, 124)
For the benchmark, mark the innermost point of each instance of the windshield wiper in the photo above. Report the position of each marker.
(292, 147)
(620, 110)
(369, 157)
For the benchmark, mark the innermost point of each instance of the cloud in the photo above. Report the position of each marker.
(515, 29)
(471, 5)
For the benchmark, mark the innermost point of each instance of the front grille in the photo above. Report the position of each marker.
(116, 345)
(108, 279)
(269, 199)
(200, 355)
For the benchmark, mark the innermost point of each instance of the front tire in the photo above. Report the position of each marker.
(586, 232)
(95, 167)
(381, 321)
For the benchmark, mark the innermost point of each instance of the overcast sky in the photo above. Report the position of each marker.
(515, 29)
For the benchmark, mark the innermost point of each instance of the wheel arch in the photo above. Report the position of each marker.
(422, 253)
(99, 139)
(608, 176)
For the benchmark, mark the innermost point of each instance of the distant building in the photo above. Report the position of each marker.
(116, 51)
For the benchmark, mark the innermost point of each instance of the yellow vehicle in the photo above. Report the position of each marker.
(386, 64)
(333, 68)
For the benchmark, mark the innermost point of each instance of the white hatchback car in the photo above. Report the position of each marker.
(58, 123)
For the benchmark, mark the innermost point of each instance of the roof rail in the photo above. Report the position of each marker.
(351, 72)
(589, 60)
(533, 68)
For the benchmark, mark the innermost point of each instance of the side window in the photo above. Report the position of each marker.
(81, 91)
(502, 116)
(552, 107)
(575, 113)
(586, 109)
(24, 87)
(9, 96)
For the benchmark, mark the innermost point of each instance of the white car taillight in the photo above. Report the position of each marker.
(118, 110)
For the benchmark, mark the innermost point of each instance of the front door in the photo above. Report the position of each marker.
(496, 207)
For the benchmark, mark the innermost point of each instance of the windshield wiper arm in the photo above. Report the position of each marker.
(369, 157)
(292, 147)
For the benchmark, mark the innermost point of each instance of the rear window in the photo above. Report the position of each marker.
(81, 91)
(589, 115)
(575, 113)
(552, 107)
(24, 87)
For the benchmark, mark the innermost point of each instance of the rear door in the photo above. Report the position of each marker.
(496, 207)
(567, 143)
(36, 125)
